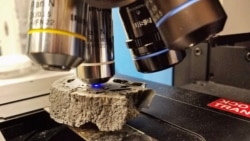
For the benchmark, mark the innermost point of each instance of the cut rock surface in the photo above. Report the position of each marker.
(108, 106)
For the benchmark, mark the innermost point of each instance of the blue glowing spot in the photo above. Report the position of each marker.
(96, 86)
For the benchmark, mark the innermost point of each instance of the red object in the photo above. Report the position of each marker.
(231, 106)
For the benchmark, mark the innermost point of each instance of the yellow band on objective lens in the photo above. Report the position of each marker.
(56, 31)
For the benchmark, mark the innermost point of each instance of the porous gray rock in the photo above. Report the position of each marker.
(108, 107)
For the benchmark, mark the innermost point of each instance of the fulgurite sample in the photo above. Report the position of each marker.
(108, 106)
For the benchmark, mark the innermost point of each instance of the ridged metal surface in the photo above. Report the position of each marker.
(109, 3)
(98, 65)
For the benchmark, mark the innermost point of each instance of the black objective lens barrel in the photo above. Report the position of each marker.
(144, 41)
(184, 23)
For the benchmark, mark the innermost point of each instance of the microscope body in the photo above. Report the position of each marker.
(65, 34)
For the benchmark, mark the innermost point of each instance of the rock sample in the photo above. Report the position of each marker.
(108, 105)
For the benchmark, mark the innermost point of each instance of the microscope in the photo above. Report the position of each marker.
(209, 99)
(79, 34)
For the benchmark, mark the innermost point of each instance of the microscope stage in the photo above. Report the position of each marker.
(174, 114)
